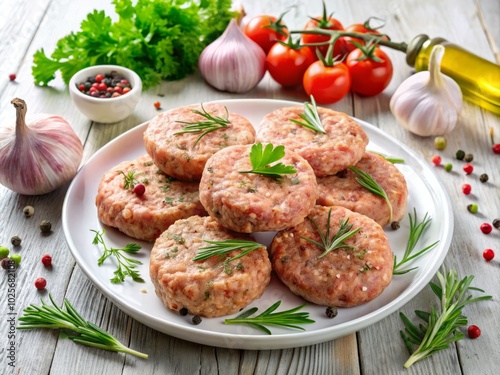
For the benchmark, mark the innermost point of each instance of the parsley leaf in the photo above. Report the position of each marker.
(261, 158)
(158, 39)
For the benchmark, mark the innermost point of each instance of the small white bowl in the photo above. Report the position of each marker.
(106, 110)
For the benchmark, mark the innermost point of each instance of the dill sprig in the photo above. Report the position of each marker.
(261, 158)
(126, 266)
(212, 123)
(367, 181)
(220, 248)
(129, 179)
(311, 117)
(73, 325)
(336, 241)
(288, 318)
(416, 231)
(440, 329)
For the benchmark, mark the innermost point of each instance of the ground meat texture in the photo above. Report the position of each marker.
(343, 144)
(343, 190)
(145, 217)
(204, 287)
(344, 277)
(183, 156)
(249, 202)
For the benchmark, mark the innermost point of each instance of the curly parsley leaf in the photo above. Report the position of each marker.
(261, 158)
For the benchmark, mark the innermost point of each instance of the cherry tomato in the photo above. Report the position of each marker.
(370, 73)
(328, 84)
(288, 63)
(362, 28)
(266, 30)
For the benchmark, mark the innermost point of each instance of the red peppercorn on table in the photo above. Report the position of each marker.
(46, 265)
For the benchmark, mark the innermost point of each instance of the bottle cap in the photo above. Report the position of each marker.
(414, 48)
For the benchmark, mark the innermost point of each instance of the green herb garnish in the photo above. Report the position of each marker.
(367, 181)
(440, 329)
(126, 266)
(73, 325)
(311, 117)
(416, 231)
(261, 158)
(336, 241)
(159, 40)
(390, 159)
(289, 318)
(220, 248)
(129, 179)
(212, 123)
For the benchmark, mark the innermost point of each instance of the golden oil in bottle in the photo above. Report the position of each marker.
(478, 78)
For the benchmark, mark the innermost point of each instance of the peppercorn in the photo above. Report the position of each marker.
(448, 167)
(440, 143)
(474, 331)
(15, 240)
(45, 226)
(12, 76)
(472, 208)
(196, 319)
(16, 258)
(483, 178)
(460, 155)
(468, 168)
(47, 260)
(40, 283)
(331, 312)
(488, 254)
(139, 189)
(28, 211)
(395, 225)
(466, 189)
(486, 228)
(183, 311)
(4, 252)
(157, 105)
(496, 223)
(436, 160)
(468, 158)
(8, 264)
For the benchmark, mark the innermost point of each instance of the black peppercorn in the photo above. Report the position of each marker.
(395, 225)
(16, 240)
(483, 178)
(468, 158)
(8, 264)
(183, 311)
(196, 319)
(460, 155)
(496, 223)
(45, 226)
(331, 312)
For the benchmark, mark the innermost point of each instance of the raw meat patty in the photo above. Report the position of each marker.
(343, 144)
(180, 155)
(344, 277)
(204, 287)
(343, 190)
(249, 202)
(145, 217)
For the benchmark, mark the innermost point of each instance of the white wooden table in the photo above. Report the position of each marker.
(26, 26)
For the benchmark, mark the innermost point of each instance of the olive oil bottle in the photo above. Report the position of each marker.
(478, 78)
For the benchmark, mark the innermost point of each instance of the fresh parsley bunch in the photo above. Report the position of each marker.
(158, 39)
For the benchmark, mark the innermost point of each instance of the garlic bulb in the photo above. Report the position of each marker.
(428, 103)
(38, 157)
(233, 62)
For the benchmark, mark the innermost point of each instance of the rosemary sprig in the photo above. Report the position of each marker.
(261, 158)
(390, 159)
(212, 123)
(126, 266)
(336, 241)
(129, 179)
(440, 329)
(288, 318)
(416, 231)
(367, 181)
(73, 325)
(311, 117)
(220, 248)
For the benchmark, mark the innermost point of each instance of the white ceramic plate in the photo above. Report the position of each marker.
(79, 215)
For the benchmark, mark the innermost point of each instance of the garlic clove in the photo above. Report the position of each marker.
(233, 62)
(428, 103)
(38, 157)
